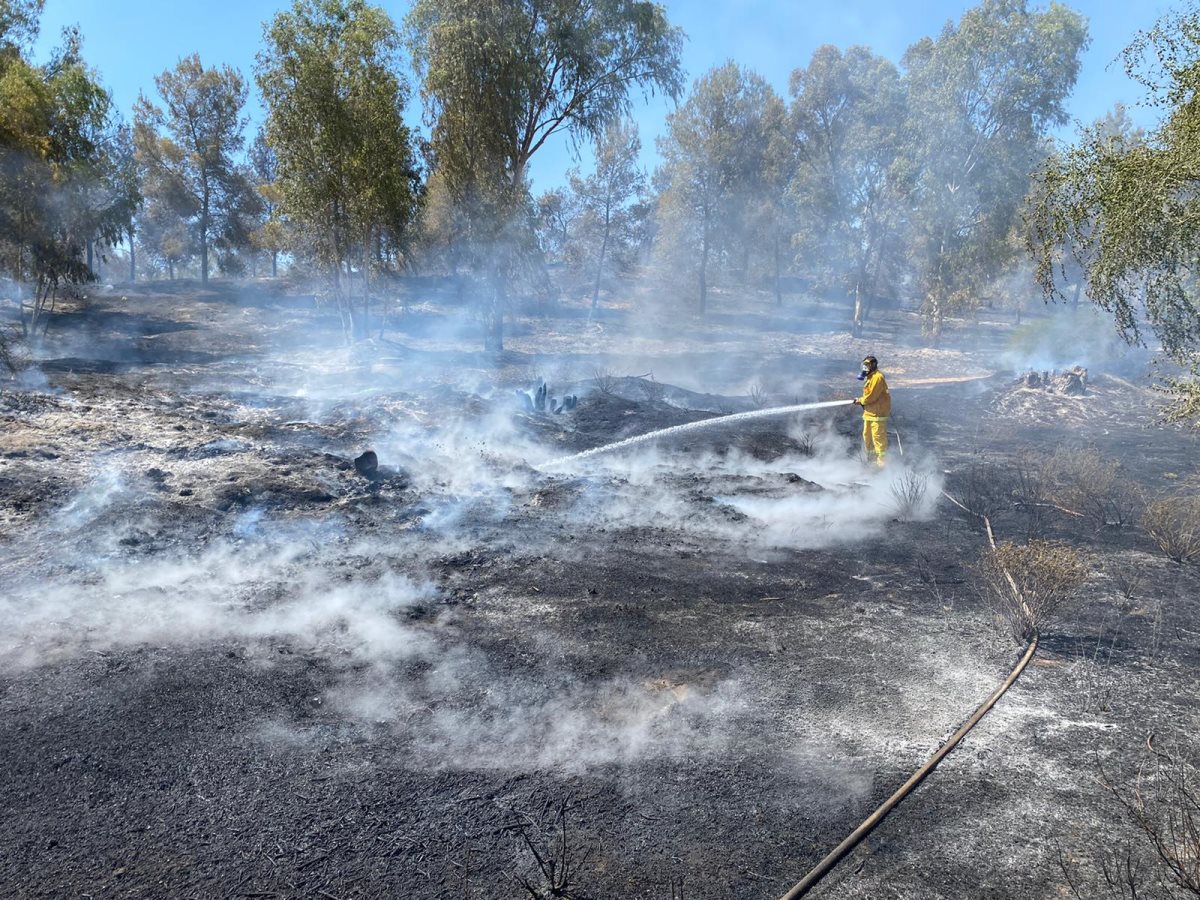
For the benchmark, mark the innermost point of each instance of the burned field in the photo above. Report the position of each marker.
(235, 663)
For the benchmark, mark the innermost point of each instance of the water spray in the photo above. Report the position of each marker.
(690, 427)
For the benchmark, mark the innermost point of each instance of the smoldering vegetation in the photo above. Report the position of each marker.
(391, 655)
(307, 594)
(370, 610)
(459, 610)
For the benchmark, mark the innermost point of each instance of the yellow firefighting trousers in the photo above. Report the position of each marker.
(875, 438)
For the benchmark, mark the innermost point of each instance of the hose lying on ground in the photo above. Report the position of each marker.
(805, 884)
(834, 856)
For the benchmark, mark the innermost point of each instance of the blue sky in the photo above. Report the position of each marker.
(130, 41)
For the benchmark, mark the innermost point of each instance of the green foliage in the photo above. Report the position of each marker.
(715, 166)
(346, 178)
(982, 96)
(855, 172)
(64, 162)
(270, 232)
(187, 150)
(1121, 207)
(498, 79)
(533, 68)
(19, 21)
(608, 204)
(1184, 392)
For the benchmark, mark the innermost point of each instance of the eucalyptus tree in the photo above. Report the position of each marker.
(164, 240)
(1121, 206)
(20, 23)
(63, 185)
(189, 146)
(854, 171)
(502, 77)
(330, 76)
(608, 203)
(555, 217)
(982, 97)
(270, 234)
(715, 167)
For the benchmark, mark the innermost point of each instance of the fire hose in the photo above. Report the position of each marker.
(699, 425)
(855, 837)
(825, 866)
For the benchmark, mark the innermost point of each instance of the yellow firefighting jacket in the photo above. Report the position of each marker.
(876, 401)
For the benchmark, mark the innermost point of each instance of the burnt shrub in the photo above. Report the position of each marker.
(13, 353)
(654, 390)
(1030, 494)
(1028, 585)
(908, 494)
(983, 491)
(605, 381)
(1174, 523)
(1098, 489)
(1163, 802)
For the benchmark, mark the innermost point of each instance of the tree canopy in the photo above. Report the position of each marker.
(500, 78)
(346, 176)
(1122, 207)
(188, 148)
(982, 97)
(64, 178)
(714, 163)
(855, 170)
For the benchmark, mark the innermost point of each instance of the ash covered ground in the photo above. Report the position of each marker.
(234, 665)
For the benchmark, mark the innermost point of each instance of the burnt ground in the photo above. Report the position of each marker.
(233, 666)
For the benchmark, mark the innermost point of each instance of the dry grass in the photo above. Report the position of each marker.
(1174, 523)
(1045, 575)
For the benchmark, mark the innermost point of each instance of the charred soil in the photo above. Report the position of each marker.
(236, 665)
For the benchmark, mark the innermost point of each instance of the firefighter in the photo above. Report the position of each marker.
(876, 405)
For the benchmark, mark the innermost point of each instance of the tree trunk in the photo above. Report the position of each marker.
(91, 257)
(204, 239)
(274, 263)
(366, 287)
(493, 337)
(777, 254)
(874, 291)
(704, 269)
(857, 328)
(600, 264)
(937, 313)
(171, 269)
(340, 299)
(352, 334)
(132, 258)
